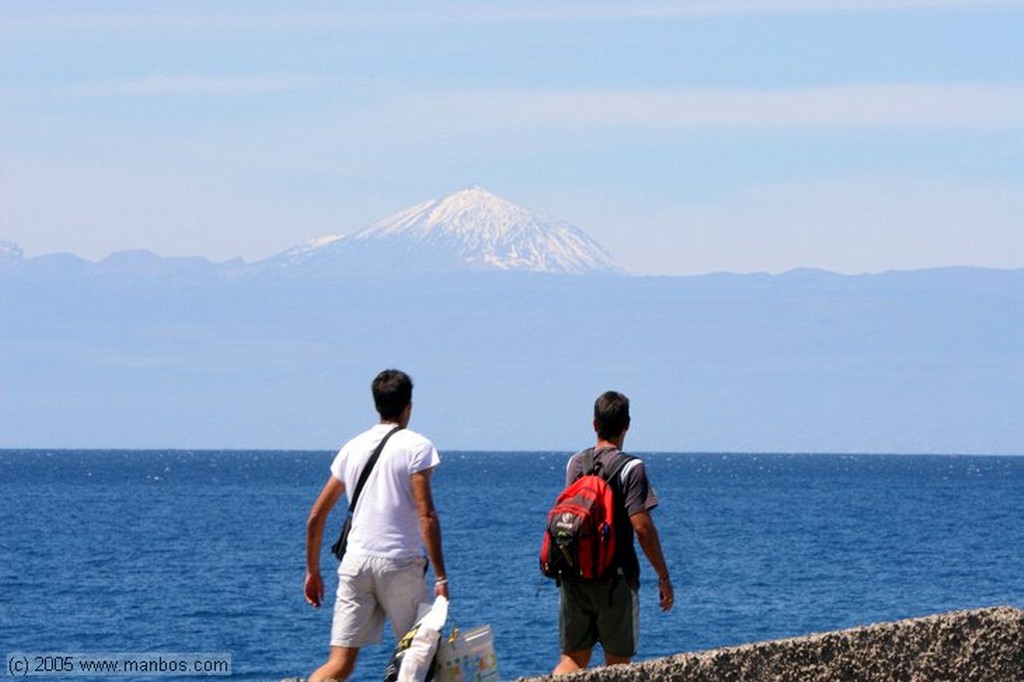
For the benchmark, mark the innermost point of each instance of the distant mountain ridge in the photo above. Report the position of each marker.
(122, 353)
(470, 230)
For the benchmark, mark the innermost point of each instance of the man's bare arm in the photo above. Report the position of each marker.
(430, 529)
(650, 542)
(314, 585)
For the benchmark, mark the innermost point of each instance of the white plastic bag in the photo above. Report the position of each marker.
(468, 656)
(413, 659)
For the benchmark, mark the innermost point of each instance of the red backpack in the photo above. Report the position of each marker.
(579, 543)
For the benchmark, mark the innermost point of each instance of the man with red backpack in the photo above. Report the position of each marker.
(603, 608)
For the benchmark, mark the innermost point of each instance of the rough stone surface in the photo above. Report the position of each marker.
(984, 645)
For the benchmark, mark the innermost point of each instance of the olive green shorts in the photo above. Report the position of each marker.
(588, 614)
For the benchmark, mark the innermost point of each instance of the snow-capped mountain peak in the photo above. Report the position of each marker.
(474, 229)
(471, 229)
(473, 214)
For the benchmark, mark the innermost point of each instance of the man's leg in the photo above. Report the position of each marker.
(358, 619)
(577, 632)
(611, 659)
(339, 665)
(572, 661)
(618, 624)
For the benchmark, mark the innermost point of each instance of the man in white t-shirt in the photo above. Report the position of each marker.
(382, 573)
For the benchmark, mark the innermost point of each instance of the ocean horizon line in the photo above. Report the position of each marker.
(477, 451)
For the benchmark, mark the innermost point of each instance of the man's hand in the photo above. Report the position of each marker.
(314, 589)
(647, 535)
(328, 497)
(666, 594)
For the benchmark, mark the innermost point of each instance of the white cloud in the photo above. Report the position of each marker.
(852, 105)
(157, 85)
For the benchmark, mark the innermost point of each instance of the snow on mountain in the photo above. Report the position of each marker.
(471, 229)
(301, 252)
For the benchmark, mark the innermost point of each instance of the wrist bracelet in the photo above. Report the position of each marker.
(441, 581)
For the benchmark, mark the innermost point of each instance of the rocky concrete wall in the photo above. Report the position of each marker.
(985, 645)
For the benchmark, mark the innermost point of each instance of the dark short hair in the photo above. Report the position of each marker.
(392, 392)
(611, 414)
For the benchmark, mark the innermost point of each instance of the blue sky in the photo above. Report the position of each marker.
(688, 137)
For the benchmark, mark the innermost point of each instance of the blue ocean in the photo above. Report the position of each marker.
(176, 551)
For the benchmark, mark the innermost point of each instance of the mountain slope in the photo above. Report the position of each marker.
(470, 230)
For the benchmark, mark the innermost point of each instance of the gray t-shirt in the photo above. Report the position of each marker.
(637, 493)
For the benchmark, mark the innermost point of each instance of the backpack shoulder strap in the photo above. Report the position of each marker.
(588, 462)
(617, 465)
(625, 558)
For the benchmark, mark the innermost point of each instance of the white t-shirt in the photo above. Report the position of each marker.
(386, 522)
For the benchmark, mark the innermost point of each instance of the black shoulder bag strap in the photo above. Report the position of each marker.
(369, 468)
(338, 548)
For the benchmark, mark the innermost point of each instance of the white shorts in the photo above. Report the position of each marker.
(372, 588)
